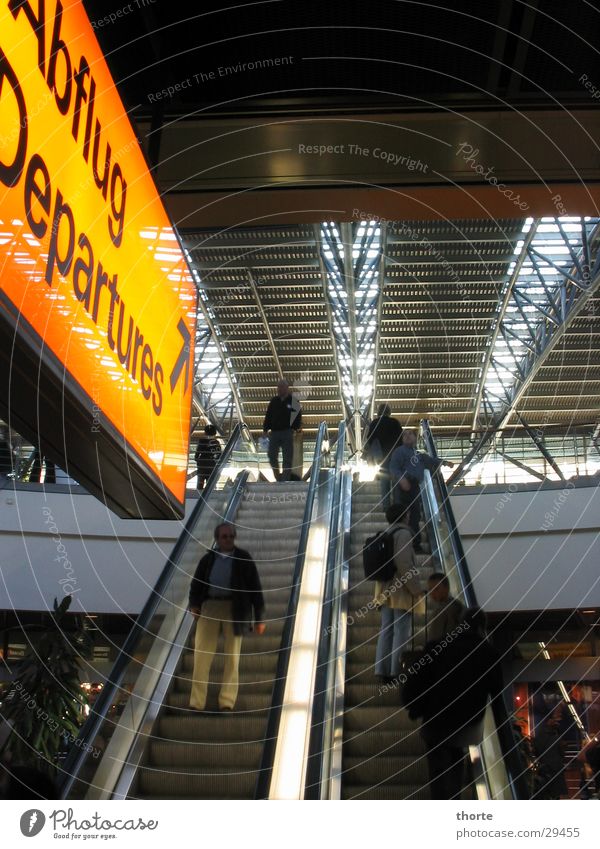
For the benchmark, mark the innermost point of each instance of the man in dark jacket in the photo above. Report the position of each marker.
(207, 455)
(448, 686)
(225, 594)
(283, 417)
(382, 438)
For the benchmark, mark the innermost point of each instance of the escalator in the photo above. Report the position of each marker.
(383, 754)
(192, 756)
(141, 740)
(366, 746)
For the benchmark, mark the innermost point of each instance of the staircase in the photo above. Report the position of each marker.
(383, 754)
(198, 756)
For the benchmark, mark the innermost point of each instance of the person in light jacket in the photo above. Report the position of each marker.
(396, 597)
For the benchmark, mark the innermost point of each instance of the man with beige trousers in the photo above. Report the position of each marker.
(225, 594)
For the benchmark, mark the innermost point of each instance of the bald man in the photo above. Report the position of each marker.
(283, 417)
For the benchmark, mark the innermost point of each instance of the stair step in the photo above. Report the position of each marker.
(196, 783)
(384, 769)
(384, 718)
(371, 694)
(385, 743)
(206, 755)
(229, 727)
(384, 792)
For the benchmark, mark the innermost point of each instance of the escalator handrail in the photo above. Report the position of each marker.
(274, 717)
(455, 540)
(318, 744)
(155, 701)
(97, 715)
(502, 720)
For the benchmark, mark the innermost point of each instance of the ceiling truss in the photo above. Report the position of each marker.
(556, 275)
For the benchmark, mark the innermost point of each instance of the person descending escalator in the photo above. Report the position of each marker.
(448, 687)
(407, 468)
(444, 612)
(382, 438)
(396, 598)
(549, 748)
(207, 455)
(283, 421)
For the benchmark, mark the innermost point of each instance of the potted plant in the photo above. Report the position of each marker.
(45, 703)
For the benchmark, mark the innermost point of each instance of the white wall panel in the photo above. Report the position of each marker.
(531, 549)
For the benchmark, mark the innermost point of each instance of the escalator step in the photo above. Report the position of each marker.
(196, 783)
(385, 791)
(204, 755)
(248, 691)
(384, 718)
(385, 769)
(375, 694)
(385, 743)
(217, 727)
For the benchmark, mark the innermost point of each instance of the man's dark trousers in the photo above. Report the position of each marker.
(283, 439)
(412, 499)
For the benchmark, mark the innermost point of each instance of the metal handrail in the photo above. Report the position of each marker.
(274, 717)
(320, 744)
(131, 759)
(455, 540)
(502, 721)
(82, 745)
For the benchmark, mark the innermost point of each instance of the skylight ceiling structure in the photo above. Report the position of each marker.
(553, 282)
(263, 288)
(409, 316)
(442, 281)
(352, 257)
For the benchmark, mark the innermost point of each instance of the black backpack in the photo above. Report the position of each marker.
(378, 557)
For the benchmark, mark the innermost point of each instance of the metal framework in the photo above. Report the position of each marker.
(439, 319)
(346, 410)
(265, 321)
(352, 258)
(264, 286)
(216, 394)
(557, 272)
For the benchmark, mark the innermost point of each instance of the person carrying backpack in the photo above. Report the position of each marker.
(396, 597)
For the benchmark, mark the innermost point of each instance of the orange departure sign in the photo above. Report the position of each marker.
(92, 276)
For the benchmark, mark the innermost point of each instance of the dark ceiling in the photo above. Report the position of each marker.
(242, 81)
(406, 53)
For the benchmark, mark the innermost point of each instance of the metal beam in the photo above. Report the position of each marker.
(500, 34)
(529, 12)
(523, 466)
(350, 278)
(265, 321)
(541, 447)
(498, 321)
(327, 303)
(546, 335)
(237, 401)
(248, 241)
(238, 264)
